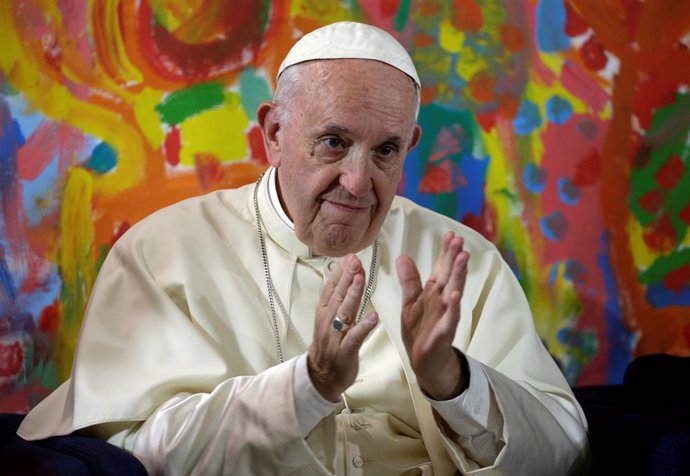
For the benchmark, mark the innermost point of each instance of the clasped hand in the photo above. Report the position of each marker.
(430, 316)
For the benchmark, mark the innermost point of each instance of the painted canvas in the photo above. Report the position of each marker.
(558, 129)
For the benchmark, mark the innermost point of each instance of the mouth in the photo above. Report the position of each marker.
(347, 207)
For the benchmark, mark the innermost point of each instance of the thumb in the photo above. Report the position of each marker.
(408, 277)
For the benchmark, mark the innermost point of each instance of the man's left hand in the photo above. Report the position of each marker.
(430, 316)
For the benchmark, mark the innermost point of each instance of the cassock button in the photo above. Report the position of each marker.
(357, 462)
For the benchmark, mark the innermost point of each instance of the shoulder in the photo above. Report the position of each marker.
(417, 223)
(211, 216)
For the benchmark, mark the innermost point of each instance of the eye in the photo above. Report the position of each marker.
(333, 143)
(387, 150)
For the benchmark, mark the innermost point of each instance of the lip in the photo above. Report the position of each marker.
(348, 208)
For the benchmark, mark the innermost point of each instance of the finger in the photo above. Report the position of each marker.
(344, 273)
(458, 275)
(436, 270)
(446, 260)
(449, 321)
(353, 340)
(353, 297)
(410, 282)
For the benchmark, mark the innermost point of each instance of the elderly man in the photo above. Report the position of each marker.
(313, 322)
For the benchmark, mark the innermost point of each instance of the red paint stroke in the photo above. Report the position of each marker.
(11, 359)
(685, 214)
(208, 169)
(482, 87)
(578, 81)
(653, 93)
(467, 16)
(652, 202)
(256, 145)
(677, 279)
(670, 173)
(47, 140)
(238, 41)
(592, 54)
(389, 8)
(437, 179)
(49, 320)
(512, 37)
(446, 143)
(52, 52)
(486, 120)
(423, 40)
(429, 93)
(508, 106)
(574, 24)
(660, 236)
(172, 146)
(121, 230)
(588, 170)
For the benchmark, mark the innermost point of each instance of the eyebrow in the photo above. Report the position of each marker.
(336, 129)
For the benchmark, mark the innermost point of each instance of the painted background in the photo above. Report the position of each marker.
(558, 130)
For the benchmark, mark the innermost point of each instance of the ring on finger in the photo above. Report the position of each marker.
(339, 324)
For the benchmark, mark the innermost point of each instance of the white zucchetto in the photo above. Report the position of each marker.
(351, 40)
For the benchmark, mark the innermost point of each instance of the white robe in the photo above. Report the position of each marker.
(177, 360)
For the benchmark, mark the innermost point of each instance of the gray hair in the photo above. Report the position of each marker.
(288, 84)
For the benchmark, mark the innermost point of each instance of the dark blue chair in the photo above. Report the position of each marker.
(72, 455)
(642, 426)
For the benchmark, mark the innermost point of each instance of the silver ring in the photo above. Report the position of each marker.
(338, 324)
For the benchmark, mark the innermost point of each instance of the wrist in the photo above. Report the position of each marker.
(455, 379)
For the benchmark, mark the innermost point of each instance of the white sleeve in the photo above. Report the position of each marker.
(246, 425)
(311, 407)
(474, 418)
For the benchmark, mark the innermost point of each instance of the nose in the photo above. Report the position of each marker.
(356, 175)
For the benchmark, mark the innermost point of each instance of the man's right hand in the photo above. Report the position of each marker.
(333, 359)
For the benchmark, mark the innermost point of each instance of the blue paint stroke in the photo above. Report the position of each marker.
(37, 194)
(103, 159)
(575, 272)
(528, 118)
(6, 281)
(558, 110)
(554, 226)
(587, 128)
(534, 178)
(550, 19)
(568, 192)
(620, 340)
(660, 296)
(254, 90)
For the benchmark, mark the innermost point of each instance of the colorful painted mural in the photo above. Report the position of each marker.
(558, 129)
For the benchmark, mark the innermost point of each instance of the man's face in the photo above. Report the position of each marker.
(339, 156)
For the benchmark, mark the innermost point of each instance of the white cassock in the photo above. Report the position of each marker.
(177, 359)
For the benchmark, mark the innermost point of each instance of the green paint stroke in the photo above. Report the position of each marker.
(188, 102)
(402, 15)
(669, 135)
(664, 265)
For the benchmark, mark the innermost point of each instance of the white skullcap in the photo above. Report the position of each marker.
(354, 41)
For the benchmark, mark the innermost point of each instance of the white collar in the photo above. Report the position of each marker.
(275, 199)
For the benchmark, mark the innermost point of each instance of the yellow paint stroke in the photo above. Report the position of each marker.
(450, 38)
(76, 260)
(55, 100)
(218, 131)
(148, 120)
(514, 233)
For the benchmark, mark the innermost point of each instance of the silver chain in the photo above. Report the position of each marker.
(273, 296)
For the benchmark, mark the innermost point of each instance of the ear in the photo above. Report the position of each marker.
(268, 122)
(416, 135)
